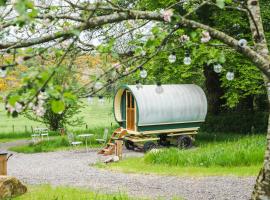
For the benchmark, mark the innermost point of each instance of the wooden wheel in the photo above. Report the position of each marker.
(184, 142)
(129, 145)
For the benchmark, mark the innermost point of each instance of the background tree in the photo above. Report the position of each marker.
(74, 26)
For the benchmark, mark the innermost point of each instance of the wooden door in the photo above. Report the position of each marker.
(130, 111)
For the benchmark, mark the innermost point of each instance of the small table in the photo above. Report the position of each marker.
(85, 136)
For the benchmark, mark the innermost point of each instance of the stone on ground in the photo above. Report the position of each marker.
(11, 187)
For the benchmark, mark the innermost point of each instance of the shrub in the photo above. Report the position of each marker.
(237, 122)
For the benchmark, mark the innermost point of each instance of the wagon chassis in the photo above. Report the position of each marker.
(147, 140)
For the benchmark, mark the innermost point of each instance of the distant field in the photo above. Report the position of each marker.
(94, 115)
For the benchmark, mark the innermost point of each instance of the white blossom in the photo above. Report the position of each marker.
(30, 105)
(18, 107)
(184, 38)
(40, 111)
(42, 96)
(205, 37)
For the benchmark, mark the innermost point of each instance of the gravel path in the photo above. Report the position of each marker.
(72, 168)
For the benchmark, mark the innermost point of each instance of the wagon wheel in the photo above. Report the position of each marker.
(163, 140)
(148, 146)
(184, 142)
(129, 145)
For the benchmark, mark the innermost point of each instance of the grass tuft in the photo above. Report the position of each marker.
(247, 151)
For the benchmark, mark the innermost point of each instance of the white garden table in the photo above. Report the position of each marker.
(86, 136)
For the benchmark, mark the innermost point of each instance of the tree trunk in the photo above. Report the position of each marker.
(262, 187)
(214, 90)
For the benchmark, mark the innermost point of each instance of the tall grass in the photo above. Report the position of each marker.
(43, 146)
(247, 151)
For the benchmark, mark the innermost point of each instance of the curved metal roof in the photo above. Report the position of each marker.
(177, 104)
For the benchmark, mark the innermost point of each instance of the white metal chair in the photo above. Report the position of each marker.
(72, 141)
(44, 132)
(36, 135)
(105, 136)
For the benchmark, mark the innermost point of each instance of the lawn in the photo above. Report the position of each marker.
(68, 193)
(62, 143)
(214, 154)
(94, 115)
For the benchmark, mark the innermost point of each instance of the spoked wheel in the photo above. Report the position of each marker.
(148, 146)
(129, 145)
(184, 142)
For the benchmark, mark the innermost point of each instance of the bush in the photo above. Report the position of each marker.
(247, 151)
(236, 122)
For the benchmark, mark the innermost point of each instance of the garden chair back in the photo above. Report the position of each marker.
(71, 139)
(105, 136)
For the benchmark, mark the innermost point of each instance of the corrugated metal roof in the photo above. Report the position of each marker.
(177, 104)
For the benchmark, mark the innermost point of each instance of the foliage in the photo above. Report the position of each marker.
(54, 106)
(68, 193)
(236, 122)
(246, 151)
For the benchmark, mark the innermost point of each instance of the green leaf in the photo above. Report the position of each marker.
(222, 58)
(3, 2)
(220, 3)
(58, 106)
(13, 99)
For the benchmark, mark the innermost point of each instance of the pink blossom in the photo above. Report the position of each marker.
(167, 15)
(205, 37)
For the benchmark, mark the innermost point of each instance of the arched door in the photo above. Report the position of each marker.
(131, 111)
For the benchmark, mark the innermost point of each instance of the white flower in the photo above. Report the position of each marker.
(127, 70)
(205, 37)
(40, 111)
(18, 107)
(30, 105)
(41, 102)
(167, 15)
(184, 38)
(42, 96)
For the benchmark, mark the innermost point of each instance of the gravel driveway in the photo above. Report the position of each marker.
(72, 168)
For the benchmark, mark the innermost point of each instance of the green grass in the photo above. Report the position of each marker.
(220, 154)
(246, 151)
(54, 144)
(67, 193)
(94, 115)
(62, 143)
(138, 165)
